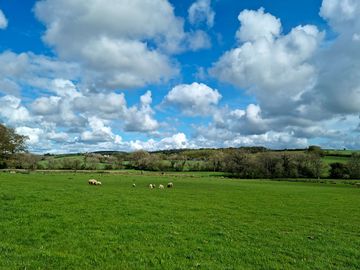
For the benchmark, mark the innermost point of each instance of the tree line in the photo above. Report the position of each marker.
(243, 162)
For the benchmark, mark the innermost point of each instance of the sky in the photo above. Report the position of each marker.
(79, 76)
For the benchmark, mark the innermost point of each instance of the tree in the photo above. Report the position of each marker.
(23, 161)
(10, 142)
(339, 170)
(216, 160)
(354, 166)
(314, 149)
(241, 164)
(140, 159)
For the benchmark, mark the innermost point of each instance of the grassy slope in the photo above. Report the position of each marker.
(57, 221)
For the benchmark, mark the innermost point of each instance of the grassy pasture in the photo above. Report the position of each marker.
(58, 221)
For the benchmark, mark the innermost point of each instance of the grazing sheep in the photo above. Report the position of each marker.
(134, 185)
(161, 186)
(170, 185)
(151, 186)
(92, 182)
(98, 183)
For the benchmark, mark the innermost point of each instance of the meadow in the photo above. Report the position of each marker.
(58, 221)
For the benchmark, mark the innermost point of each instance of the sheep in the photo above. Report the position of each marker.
(170, 185)
(92, 182)
(98, 183)
(161, 187)
(151, 186)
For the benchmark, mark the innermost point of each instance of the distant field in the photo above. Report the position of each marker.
(334, 159)
(58, 221)
(341, 152)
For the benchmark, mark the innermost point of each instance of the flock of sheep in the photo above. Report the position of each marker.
(151, 186)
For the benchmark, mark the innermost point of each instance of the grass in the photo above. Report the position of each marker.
(334, 159)
(341, 152)
(58, 221)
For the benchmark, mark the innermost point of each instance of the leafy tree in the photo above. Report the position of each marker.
(354, 166)
(314, 149)
(216, 160)
(140, 159)
(26, 161)
(339, 170)
(10, 142)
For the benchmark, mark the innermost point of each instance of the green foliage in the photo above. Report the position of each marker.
(339, 171)
(10, 142)
(314, 149)
(354, 166)
(58, 221)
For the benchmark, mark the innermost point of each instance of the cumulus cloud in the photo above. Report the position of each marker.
(338, 84)
(201, 12)
(244, 122)
(32, 71)
(12, 110)
(257, 25)
(208, 136)
(275, 68)
(176, 141)
(122, 54)
(3, 20)
(193, 99)
(140, 118)
(73, 109)
(99, 131)
(341, 13)
(33, 134)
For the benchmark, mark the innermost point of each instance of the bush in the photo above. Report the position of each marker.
(339, 171)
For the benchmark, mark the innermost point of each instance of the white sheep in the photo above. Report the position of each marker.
(170, 185)
(161, 187)
(151, 186)
(98, 183)
(92, 182)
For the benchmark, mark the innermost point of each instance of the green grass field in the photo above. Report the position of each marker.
(58, 221)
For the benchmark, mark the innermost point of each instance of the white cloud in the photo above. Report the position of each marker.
(341, 13)
(99, 131)
(176, 141)
(34, 134)
(107, 106)
(46, 105)
(201, 12)
(275, 68)
(122, 54)
(140, 118)
(126, 63)
(193, 99)
(71, 108)
(34, 71)
(13, 111)
(58, 136)
(256, 25)
(3, 20)
(209, 136)
(338, 84)
(244, 122)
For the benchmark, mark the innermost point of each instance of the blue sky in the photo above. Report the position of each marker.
(94, 75)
